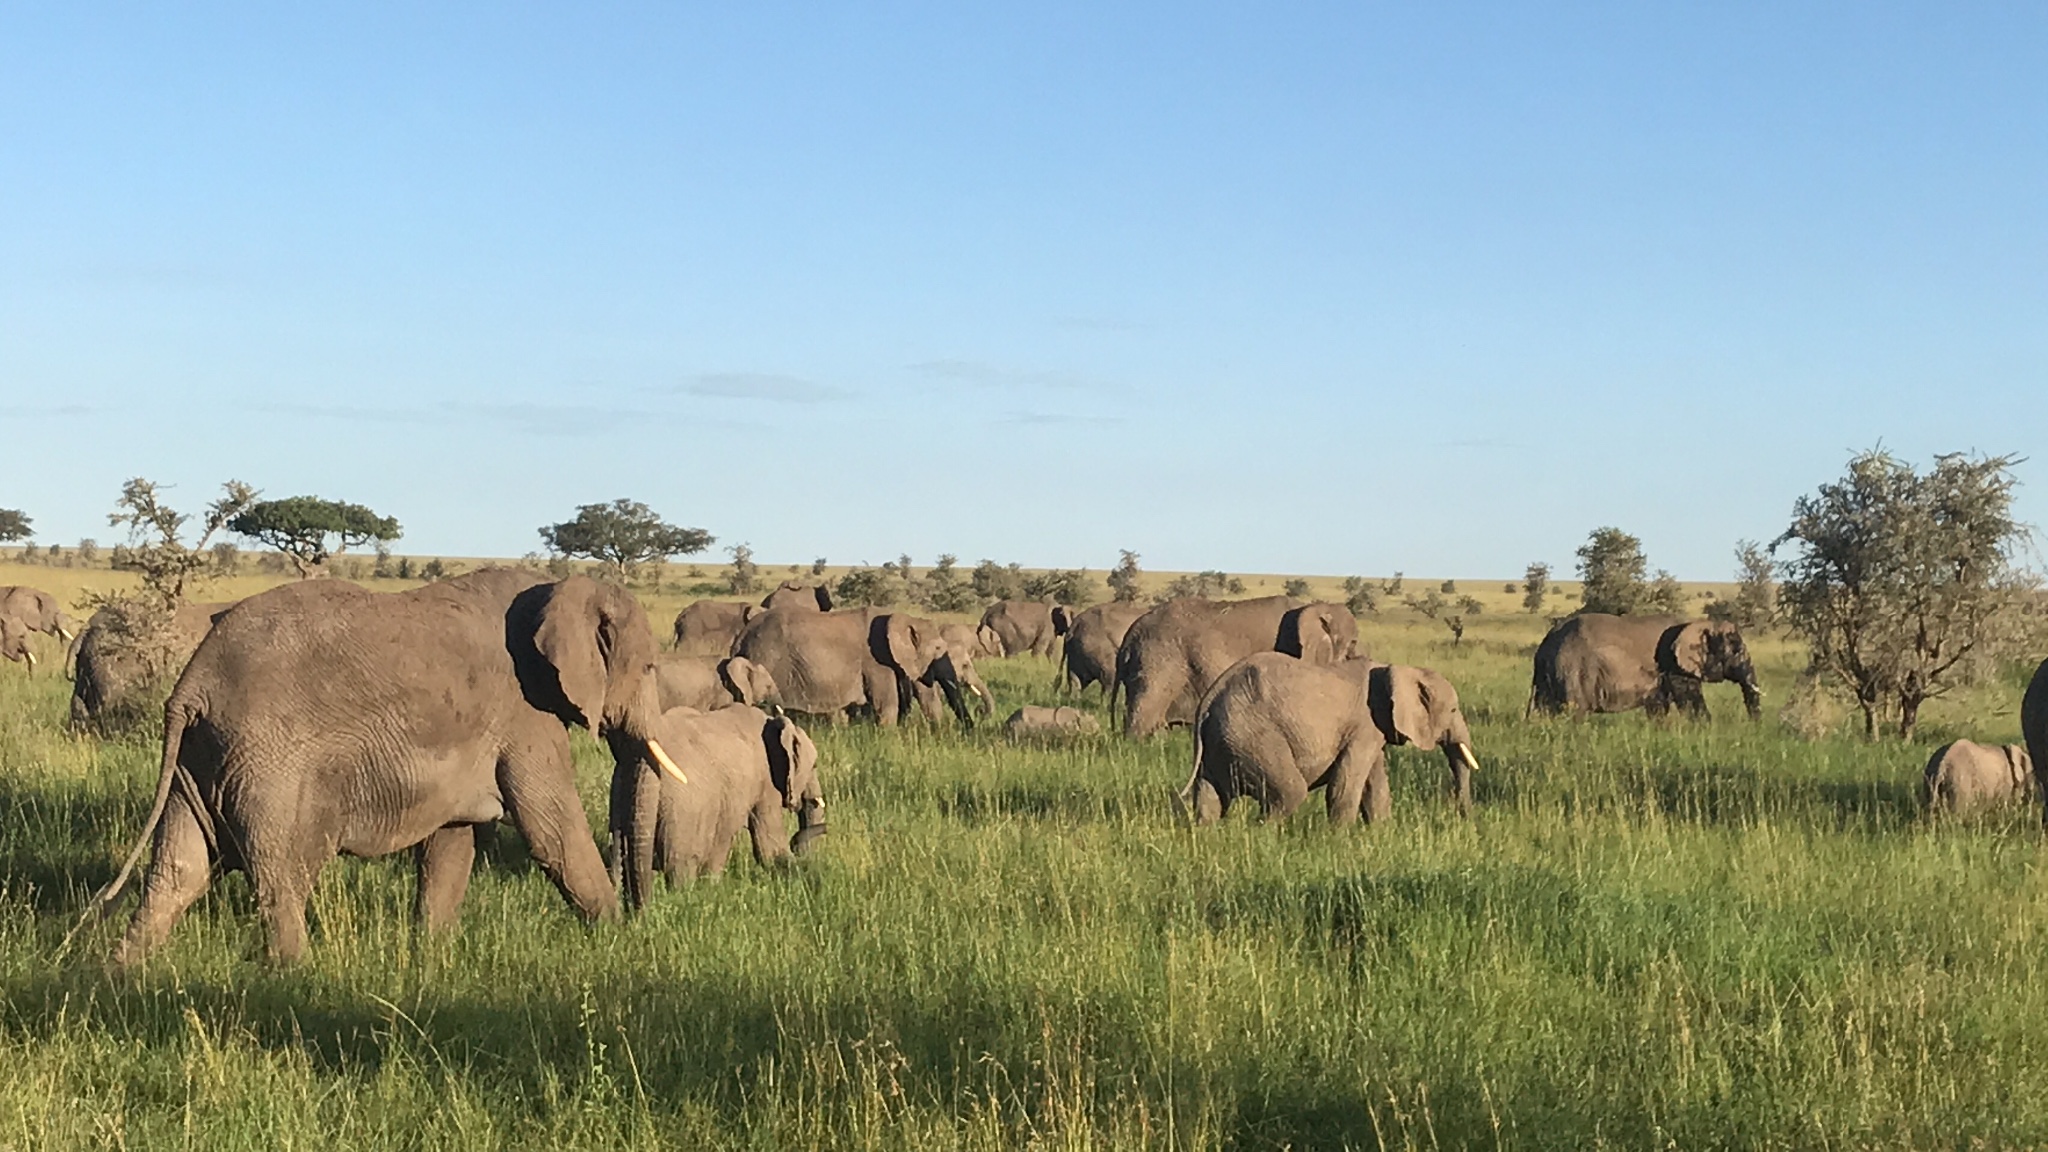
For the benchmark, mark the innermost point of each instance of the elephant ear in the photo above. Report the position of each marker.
(779, 734)
(1417, 704)
(575, 637)
(1685, 649)
(1062, 620)
(732, 676)
(824, 598)
(901, 640)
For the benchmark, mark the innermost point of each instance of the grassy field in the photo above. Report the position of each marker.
(1649, 936)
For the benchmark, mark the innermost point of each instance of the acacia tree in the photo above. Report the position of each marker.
(1611, 565)
(14, 525)
(1903, 584)
(302, 526)
(1535, 586)
(1756, 589)
(622, 535)
(1124, 578)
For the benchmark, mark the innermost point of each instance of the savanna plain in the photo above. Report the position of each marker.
(1649, 935)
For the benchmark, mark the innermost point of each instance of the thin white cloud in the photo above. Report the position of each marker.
(992, 376)
(769, 386)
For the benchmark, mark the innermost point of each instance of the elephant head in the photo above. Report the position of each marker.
(1319, 633)
(14, 642)
(1419, 706)
(916, 648)
(990, 642)
(793, 594)
(590, 657)
(1711, 651)
(748, 682)
(793, 765)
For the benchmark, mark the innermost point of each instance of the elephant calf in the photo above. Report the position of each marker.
(744, 767)
(1035, 721)
(1276, 728)
(1970, 777)
(708, 683)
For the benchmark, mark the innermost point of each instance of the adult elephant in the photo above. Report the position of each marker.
(1089, 654)
(319, 718)
(2034, 722)
(1275, 728)
(834, 663)
(793, 594)
(711, 683)
(1172, 654)
(1027, 625)
(37, 611)
(980, 640)
(709, 627)
(111, 671)
(1594, 662)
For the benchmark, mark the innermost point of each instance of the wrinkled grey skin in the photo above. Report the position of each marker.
(1035, 721)
(2034, 722)
(709, 683)
(834, 663)
(709, 627)
(797, 595)
(1173, 653)
(980, 642)
(37, 610)
(1027, 626)
(745, 769)
(1966, 777)
(1594, 662)
(105, 677)
(1088, 655)
(317, 718)
(1275, 728)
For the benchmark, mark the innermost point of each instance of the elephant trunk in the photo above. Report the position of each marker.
(1752, 695)
(957, 701)
(1463, 764)
(985, 701)
(810, 824)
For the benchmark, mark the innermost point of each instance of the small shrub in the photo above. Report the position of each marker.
(1297, 588)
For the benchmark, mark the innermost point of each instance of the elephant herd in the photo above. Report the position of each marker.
(318, 719)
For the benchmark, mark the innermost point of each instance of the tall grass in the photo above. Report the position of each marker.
(1649, 935)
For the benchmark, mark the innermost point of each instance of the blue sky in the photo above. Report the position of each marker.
(1314, 288)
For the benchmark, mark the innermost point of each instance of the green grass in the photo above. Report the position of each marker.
(1649, 936)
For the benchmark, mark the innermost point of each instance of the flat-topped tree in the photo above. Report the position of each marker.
(301, 527)
(622, 535)
(14, 526)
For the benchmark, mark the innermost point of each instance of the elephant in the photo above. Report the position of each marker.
(2034, 722)
(37, 610)
(1969, 777)
(1035, 721)
(109, 675)
(1089, 654)
(1275, 728)
(709, 627)
(795, 595)
(1172, 654)
(745, 768)
(318, 718)
(708, 683)
(1027, 625)
(832, 663)
(1594, 662)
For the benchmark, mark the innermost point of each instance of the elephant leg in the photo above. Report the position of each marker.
(1344, 793)
(1377, 804)
(770, 834)
(180, 868)
(1210, 805)
(1284, 792)
(283, 867)
(539, 789)
(443, 861)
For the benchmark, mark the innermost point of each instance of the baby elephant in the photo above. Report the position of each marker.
(744, 768)
(1970, 777)
(1275, 728)
(1032, 720)
(708, 683)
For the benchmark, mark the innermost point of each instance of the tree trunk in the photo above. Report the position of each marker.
(1909, 715)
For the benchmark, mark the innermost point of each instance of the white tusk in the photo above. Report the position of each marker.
(1471, 761)
(667, 765)
(31, 657)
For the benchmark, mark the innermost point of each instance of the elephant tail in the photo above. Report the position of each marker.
(178, 717)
